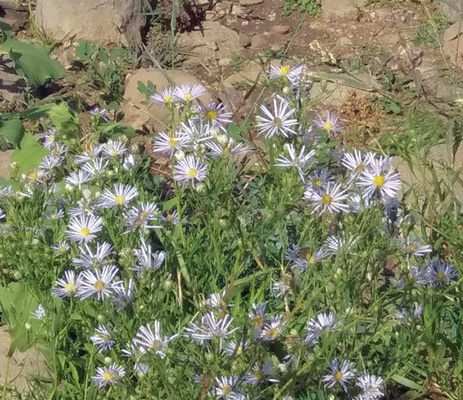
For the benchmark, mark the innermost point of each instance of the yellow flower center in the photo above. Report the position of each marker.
(188, 97)
(284, 70)
(379, 180)
(172, 142)
(410, 278)
(144, 214)
(192, 173)
(212, 114)
(120, 200)
(33, 175)
(327, 199)
(317, 182)
(328, 126)
(51, 138)
(99, 285)
(63, 249)
(440, 275)
(239, 350)
(338, 375)
(170, 217)
(107, 376)
(70, 287)
(258, 374)
(257, 320)
(277, 122)
(168, 99)
(85, 231)
(360, 167)
(106, 338)
(55, 153)
(273, 333)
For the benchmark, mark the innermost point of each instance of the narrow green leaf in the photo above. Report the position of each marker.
(407, 382)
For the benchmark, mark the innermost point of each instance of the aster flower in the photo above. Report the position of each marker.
(190, 170)
(371, 386)
(169, 144)
(234, 348)
(170, 217)
(329, 199)
(99, 113)
(412, 246)
(96, 166)
(128, 161)
(258, 315)
(272, 329)
(113, 148)
(216, 115)
(102, 339)
(405, 316)
(122, 295)
(60, 247)
(356, 162)
(50, 162)
(337, 244)
(321, 178)
(97, 283)
(227, 149)
(84, 229)
(225, 387)
(147, 260)
(49, 139)
(86, 206)
(441, 272)
(121, 197)
(299, 161)
(106, 376)
(166, 97)
(2, 215)
(414, 276)
(301, 258)
(148, 340)
(340, 373)
(278, 123)
(261, 373)
(196, 134)
(381, 181)
(321, 323)
(188, 93)
(67, 286)
(217, 301)
(281, 287)
(330, 124)
(39, 313)
(89, 155)
(141, 368)
(293, 74)
(139, 217)
(78, 178)
(88, 258)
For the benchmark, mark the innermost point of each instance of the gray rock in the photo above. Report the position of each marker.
(5, 162)
(11, 85)
(281, 29)
(252, 73)
(102, 21)
(250, 2)
(340, 8)
(452, 10)
(453, 44)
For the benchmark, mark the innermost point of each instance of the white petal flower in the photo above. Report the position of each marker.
(84, 228)
(190, 170)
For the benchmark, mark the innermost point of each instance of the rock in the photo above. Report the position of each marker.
(452, 10)
(223, 8)
(453, 47)
(245, 40)
(11, 85)
(345, 41)
(224, 62)
(102, 21)
(237, 10)
(340, 8)
(23, 366)
(5, 162)
(281, 29)
(250, 74)
(247, 3)
(198, 42)
(14, 13)
(152, 116)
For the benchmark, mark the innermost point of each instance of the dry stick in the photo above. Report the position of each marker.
(459, 30)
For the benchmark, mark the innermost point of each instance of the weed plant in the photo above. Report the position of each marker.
(269, 264)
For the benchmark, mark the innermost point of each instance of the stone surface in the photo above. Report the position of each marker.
(340, 8)
(14, 13)
(102, 21)
(251, 73)
(5, 161)
(152, 116)
(11, 85)
(250, 2)
(212, 41)
(453, 47)
(281, 29)
(23, 366)
(452, 10)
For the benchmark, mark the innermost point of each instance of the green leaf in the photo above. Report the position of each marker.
(64, 119)
(407, 382)
(12, 130)
(30, 154)
(37, 112)
(32, 61)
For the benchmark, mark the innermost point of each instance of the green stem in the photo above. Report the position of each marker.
(5, 383)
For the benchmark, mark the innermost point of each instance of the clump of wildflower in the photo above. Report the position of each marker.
(97, 283)
(84, 229)
(321, 323)
(102, 339)
(441, 272)
(190, 170)
(149, 340)
(106, 376)
(67, 286)
(330, 124)
(339, 373)
(278, 123)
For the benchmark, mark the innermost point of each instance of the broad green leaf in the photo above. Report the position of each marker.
(12, 130)
(30, 154)
(407, 382)
(37, 112)
(32, 61)
(64, 119)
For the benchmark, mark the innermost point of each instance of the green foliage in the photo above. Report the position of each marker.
(311, 7)
(29, 154)
(11, 132)
(238, 62)
(32, 61)
(429, 32)
(104, 68)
